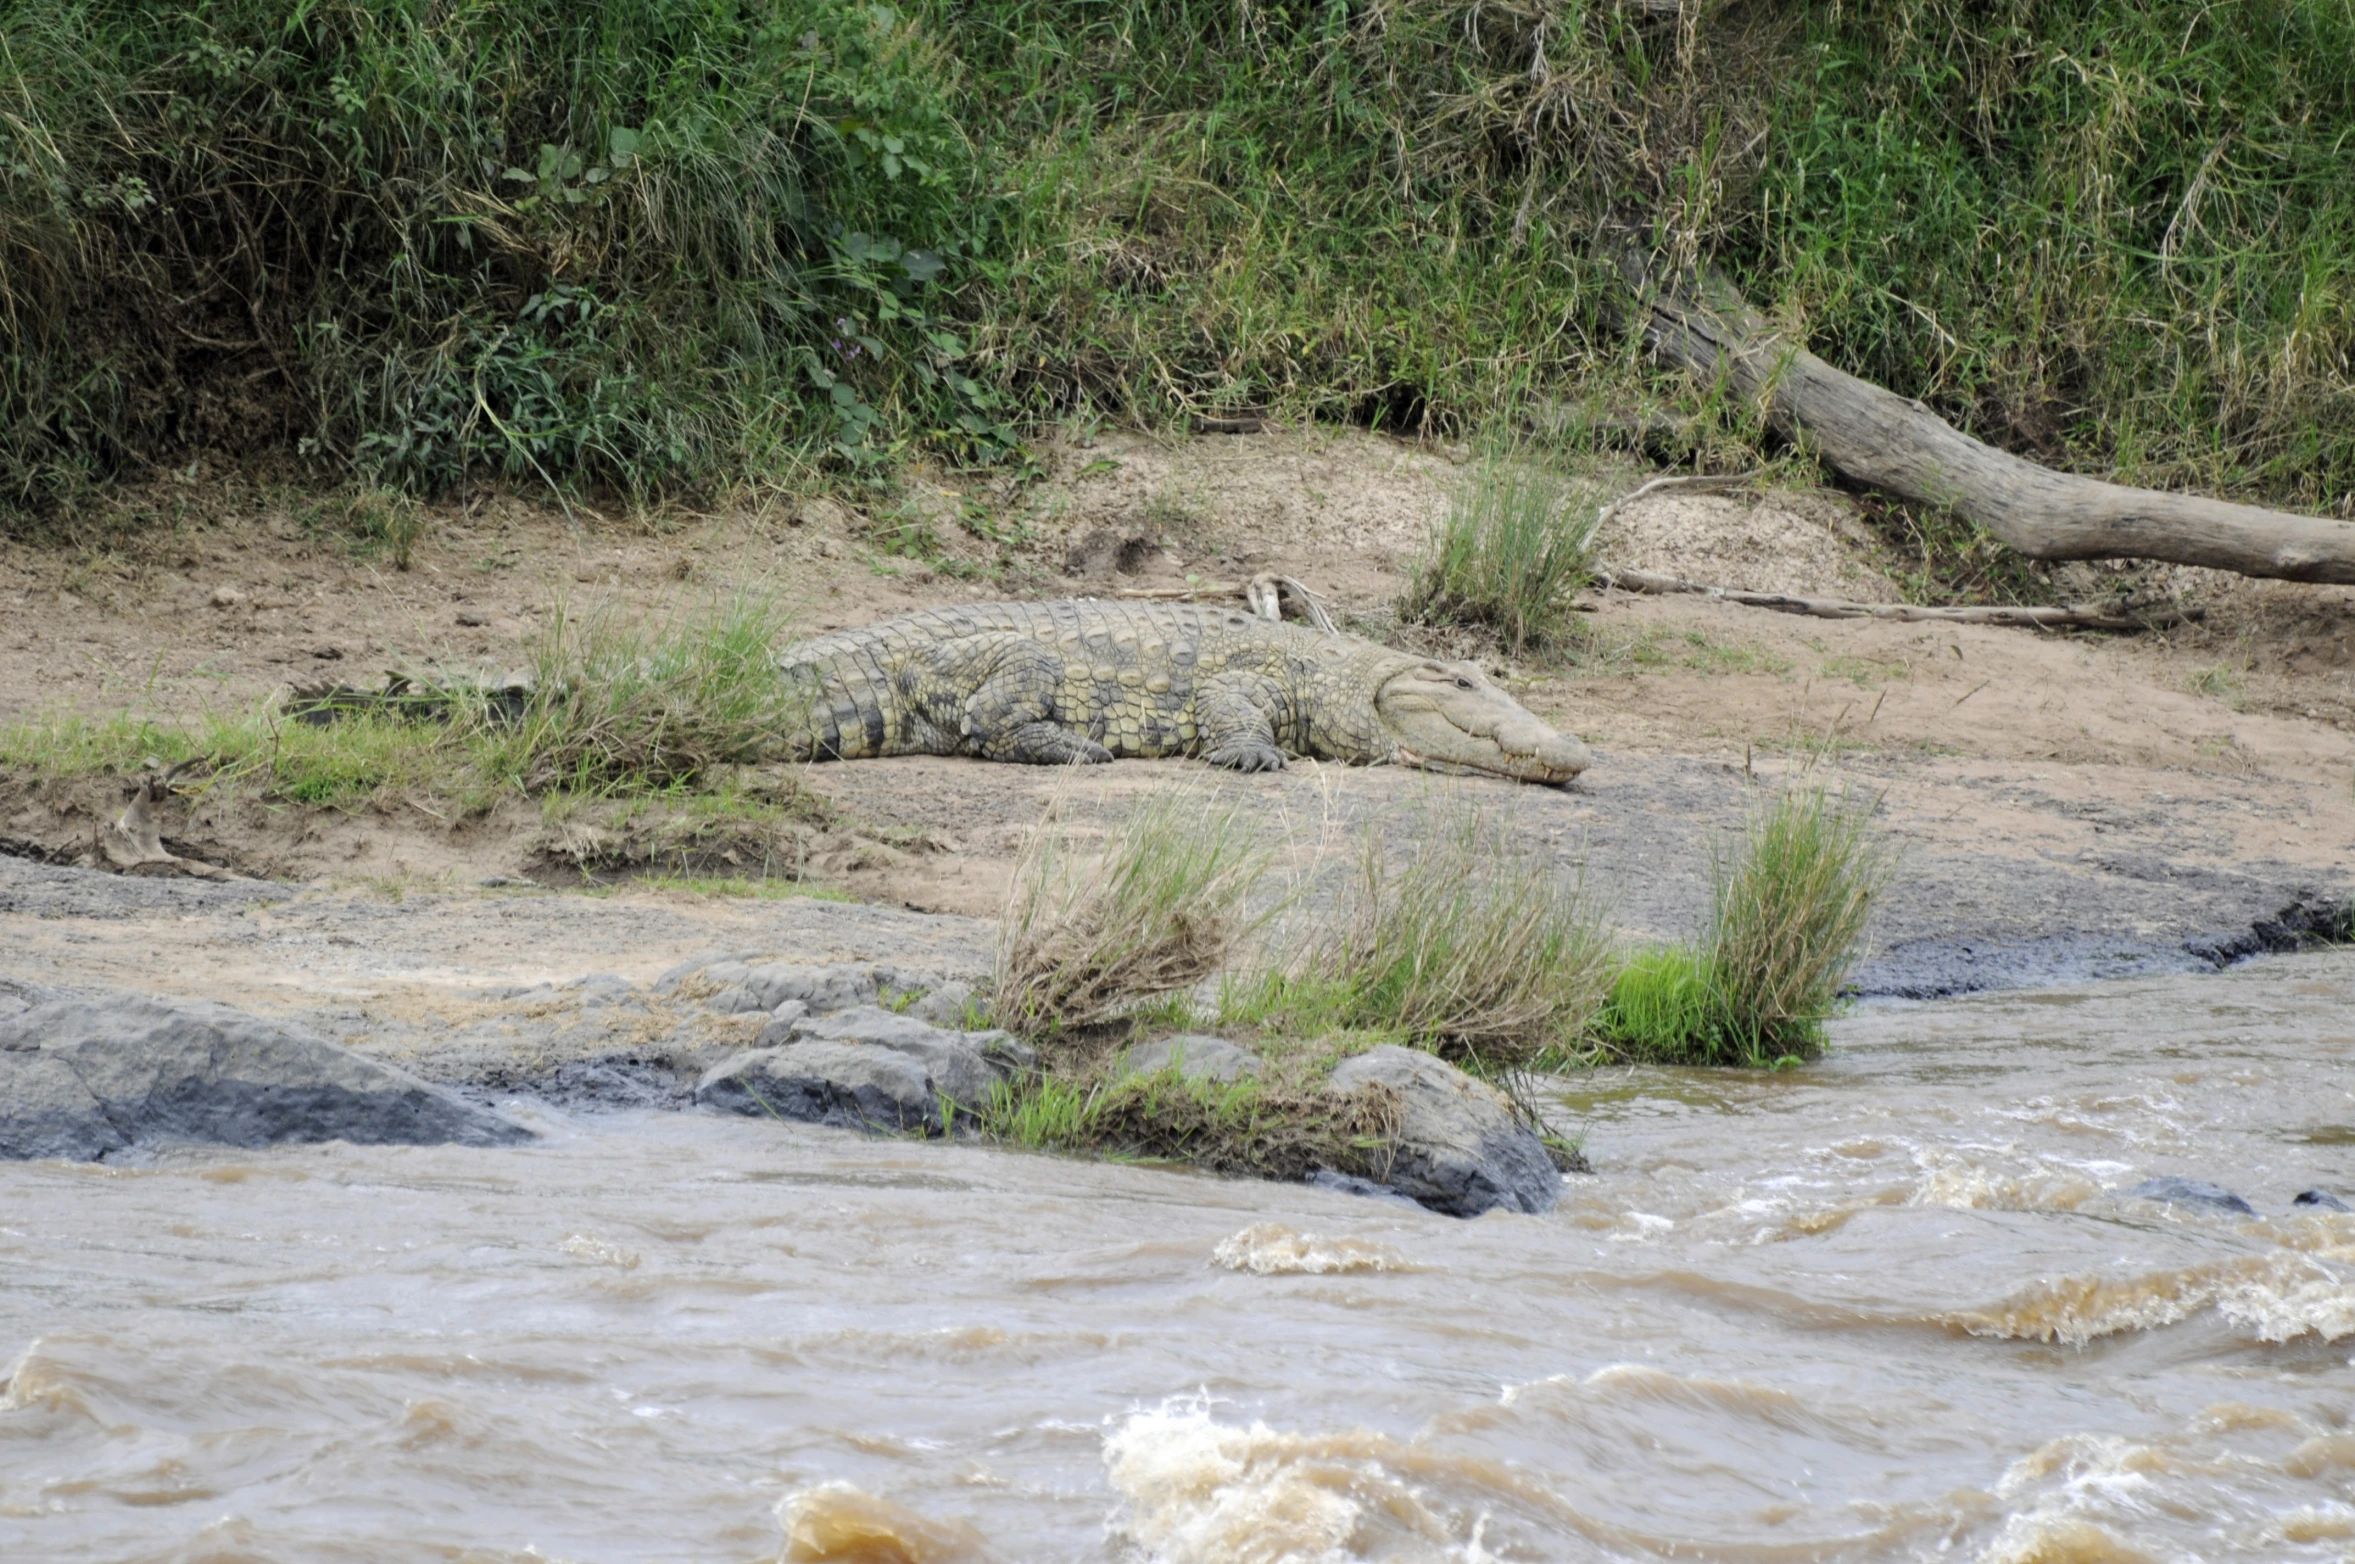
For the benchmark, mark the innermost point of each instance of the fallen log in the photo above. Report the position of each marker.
(1876, 437)
(2083, 616)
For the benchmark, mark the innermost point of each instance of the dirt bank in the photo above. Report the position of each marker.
(2066, 804)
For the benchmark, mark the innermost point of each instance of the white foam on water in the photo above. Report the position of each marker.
(1272, 1249)
(2267, 1298)
(1198, 1491)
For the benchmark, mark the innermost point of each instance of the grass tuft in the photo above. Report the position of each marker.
(1516, 544)
(1249, 1126)
(1084, 941)
(618, 704)
(1789, 917)
(1465, 947)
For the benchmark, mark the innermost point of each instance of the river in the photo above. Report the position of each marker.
(1894, 1306)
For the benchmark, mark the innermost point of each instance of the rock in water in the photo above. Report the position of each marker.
(2320, 1198)
(1460, 1149)
(854, 1085)
(85, 1078)
(2192, 1192)
(866, 1068)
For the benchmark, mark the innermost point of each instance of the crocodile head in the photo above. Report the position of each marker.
(1449, 717)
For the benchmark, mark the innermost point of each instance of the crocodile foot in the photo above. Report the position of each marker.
(1246, 755)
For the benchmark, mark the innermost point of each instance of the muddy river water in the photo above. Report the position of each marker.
(1895, 1306)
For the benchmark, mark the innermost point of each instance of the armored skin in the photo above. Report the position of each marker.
(1089, 681)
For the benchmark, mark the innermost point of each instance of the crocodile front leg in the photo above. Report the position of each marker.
(995, 696)
(1235, 714)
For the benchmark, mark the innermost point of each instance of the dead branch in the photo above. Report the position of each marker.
(1267, 594)
(133, 842)
(1876, 437)
(2083, 616)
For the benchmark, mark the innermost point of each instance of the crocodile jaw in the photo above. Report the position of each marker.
(1449, 717)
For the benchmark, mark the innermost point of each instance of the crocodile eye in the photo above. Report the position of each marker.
(1463, 684)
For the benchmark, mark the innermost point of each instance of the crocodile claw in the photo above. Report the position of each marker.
(1247, 757)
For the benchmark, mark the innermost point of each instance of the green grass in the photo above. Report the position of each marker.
(1789, 915)
(632, 704)
(1087, 937)
(663, 244)
(1244, 1126)
(616, 709)
(1515, 546)
(648, 244)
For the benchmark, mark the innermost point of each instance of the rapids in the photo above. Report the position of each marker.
(1896, 1305)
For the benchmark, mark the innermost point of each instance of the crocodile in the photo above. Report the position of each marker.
(1085, 681)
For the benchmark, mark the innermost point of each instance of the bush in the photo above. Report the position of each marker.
(1789, 915)
(2119, 237)
(1481, 953)
(1084, 942)
(616, 705)
(646, 243)
(1517, 542)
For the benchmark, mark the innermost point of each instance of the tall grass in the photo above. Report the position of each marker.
(618, 703)
(1084, 938)
(646, 243)
(1515, 546)
(1464, 946)
(666, 242)
(2113, 236)
(1788, 919)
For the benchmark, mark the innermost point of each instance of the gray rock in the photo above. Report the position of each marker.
(781, 1024)
(855, 1085)
(1364, 1188)
(85, 1078)
(823, 989)
(735, 1000)
(2322, 1198)
(947, 1005)
(2192, 1192)
(1198, 1057)
(965, 1065)
(1460, 1149)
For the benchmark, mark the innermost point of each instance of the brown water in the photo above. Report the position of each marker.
(1890, 1307)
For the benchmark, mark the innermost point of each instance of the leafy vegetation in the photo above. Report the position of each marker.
(645, 244)
(663, 243)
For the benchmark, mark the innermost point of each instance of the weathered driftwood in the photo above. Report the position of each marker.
(1876, 437)
(133, 842)
(2084, 616)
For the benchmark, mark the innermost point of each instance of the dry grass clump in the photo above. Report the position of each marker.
(616, 703)
(1516, 543)
(1160, 910)
(1468, 947)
